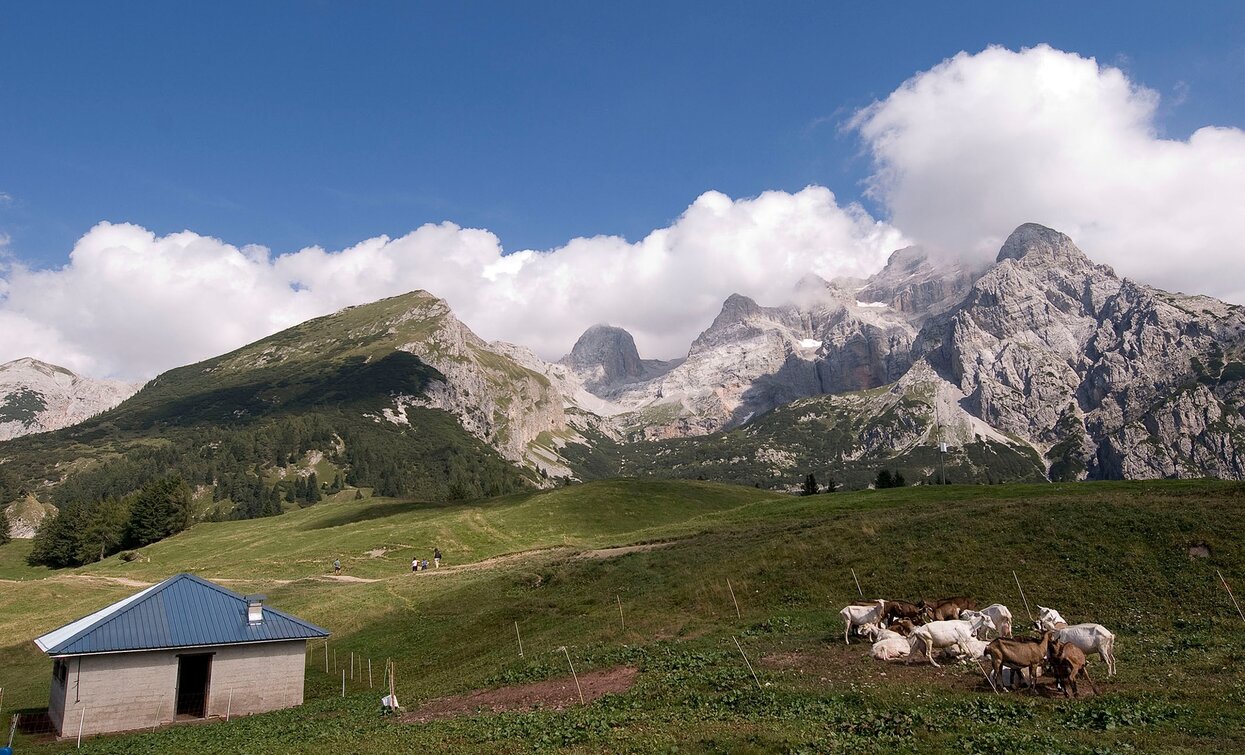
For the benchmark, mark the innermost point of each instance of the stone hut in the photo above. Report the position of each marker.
(183, 649)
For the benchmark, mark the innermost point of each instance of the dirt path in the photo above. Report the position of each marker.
(506, 559)
(126, 581)
(551, 694)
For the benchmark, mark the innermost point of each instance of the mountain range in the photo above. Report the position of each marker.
(1041, 365)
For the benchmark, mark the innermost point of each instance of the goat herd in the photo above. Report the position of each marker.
(956, 628)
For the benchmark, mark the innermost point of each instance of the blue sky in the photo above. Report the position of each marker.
(296, 124)
(224, 170)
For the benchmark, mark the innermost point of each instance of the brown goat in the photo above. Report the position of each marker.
(945, 609)
(1067, 661)
(1018, 654)
(901, 609)
(903, 627)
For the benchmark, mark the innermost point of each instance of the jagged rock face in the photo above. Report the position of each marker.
(834, 337)
(917, 286)
(37, 397)
(1091, 368)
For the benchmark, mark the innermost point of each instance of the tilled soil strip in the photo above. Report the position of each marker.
(551, 694)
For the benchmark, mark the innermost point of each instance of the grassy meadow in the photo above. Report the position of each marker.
(1114, 553)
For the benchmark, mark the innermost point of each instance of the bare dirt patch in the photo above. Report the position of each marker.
(551, 694)
(623, 550)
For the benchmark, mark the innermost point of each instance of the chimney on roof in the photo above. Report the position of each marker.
(254, 609)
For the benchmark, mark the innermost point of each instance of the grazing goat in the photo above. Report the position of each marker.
(983, 632)
(1001, 617)
(861, 615)
(936, 635)
(1018, 654)
(1049, 618)
(1090, 638)
(900, 609)
(1067, 661)
(892, 647)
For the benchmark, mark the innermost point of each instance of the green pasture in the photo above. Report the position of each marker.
(1114, 553)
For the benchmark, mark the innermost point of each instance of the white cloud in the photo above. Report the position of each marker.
(964, 153)
(130, 304)
(970, 149)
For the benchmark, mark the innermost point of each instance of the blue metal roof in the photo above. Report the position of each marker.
(182, 611)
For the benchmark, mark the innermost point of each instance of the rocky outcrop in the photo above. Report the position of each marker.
(494, 397)
(1098, 371)
(26, 515)
(36, 397)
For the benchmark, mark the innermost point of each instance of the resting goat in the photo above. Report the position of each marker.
(1018, 654)
(861, 615)
(946, 609)
(892, 647)
(901, 609)
(903, 627)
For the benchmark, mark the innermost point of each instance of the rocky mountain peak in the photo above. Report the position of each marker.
(609, 348)
(36, 397)
(30, 364)
(1031, 241)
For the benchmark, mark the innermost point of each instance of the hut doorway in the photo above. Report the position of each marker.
(194, 675)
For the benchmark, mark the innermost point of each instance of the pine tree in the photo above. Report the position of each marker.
(830, 485)
(5, 535)
(162, 508)
(884, 479)
(313, 489)
(810, 485)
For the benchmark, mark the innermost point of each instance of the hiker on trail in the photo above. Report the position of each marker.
(436, 558)
(337, 566)
(414, 564)
(424, 565)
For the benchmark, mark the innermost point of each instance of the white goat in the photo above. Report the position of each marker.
(975, 616)
(973, 650)
(859, 616)
(877, 633)
(1001, 617)
(891, 647)
(936, 635)
(1049, 618)
(1090, 638)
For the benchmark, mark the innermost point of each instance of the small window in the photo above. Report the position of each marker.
(60, 670)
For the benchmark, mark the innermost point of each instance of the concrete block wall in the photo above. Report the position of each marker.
(263, 677)
(126, 691)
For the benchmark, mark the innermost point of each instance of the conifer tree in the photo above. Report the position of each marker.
(810, 485)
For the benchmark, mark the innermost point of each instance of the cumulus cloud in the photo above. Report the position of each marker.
(975, 146)
(963, 153)
(130, 303)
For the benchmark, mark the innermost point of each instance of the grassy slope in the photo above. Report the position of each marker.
(1110, 552)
